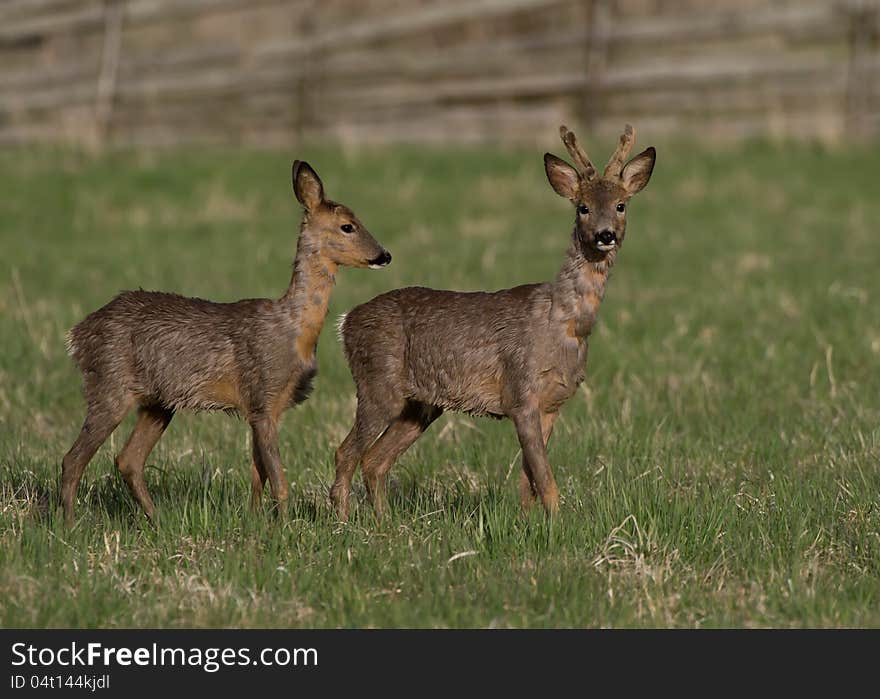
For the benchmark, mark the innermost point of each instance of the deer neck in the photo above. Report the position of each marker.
(579, 289)
(308, 295)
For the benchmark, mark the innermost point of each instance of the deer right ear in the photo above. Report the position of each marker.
(637, 171)
(307, 185)
(563, 177)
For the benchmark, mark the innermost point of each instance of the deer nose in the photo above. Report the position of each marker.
(606, 237)
(381, 260)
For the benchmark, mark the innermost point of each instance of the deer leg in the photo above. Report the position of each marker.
(258, 480)
(99, 424)
(527, 492)
(267, 459)
(370, 421)
(399, 437)
(151, 423)
(528, 429)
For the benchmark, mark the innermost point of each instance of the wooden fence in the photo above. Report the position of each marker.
(270, 71)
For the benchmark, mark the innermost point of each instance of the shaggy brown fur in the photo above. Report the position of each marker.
(517, 353)
(163, 352)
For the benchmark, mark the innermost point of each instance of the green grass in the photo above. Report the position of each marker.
(718, 468)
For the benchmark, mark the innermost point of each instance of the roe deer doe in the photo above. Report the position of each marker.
(517, 353)
(256, 357)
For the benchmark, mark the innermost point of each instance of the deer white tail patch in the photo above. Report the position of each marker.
(340, 326)
(70, 343)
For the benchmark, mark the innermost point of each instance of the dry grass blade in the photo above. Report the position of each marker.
(463, 554)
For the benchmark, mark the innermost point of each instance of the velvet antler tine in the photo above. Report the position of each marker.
(581, 161)
(624, 146)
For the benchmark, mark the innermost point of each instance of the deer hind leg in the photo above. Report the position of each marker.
(150, 425)
(371, 420)
(400, 435)
(527, 492)
(258, 481)
(267, 459)
(531, 438)
(101, 420)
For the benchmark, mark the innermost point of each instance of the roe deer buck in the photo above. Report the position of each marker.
(163, 352)
(517, 353)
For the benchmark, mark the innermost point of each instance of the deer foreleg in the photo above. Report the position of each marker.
(267, 459)
(531, 439)
(527, 492)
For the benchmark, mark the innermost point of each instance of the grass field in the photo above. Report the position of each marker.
(718, 468)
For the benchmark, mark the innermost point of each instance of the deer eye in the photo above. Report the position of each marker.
(621, 207)
(583, 210)
(347, 228)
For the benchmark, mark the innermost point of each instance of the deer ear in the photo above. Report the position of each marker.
(637, 171)
(563, 177)
(307, 185)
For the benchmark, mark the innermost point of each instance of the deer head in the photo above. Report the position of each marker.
(600, 202)
(333, 228)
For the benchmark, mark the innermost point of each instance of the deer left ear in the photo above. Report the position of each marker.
(562, 176)
(637, 171)
(307, 185)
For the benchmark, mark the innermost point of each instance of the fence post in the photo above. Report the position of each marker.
(301, 93)
(862, 20)
(598, 22)
(105, 91)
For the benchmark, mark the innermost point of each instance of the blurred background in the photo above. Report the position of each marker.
(275, 72)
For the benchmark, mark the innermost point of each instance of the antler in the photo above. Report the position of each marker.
(581, 161)
(618, 159)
